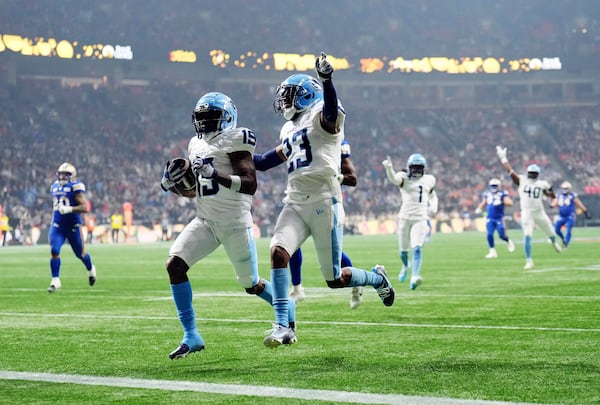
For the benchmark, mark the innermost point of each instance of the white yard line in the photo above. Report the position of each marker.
(242, 390)
(265, 321)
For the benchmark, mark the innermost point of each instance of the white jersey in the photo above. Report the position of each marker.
(415, 193)
(313, 157)
(531, 193)
(213, 201)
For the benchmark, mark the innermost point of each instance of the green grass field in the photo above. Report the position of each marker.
(476, 329)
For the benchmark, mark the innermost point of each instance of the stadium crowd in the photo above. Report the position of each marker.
(541, 27)
(119, 140)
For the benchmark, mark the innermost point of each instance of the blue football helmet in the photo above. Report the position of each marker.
(295, 94)
(533, 171)
(66, 172)
(214, 113)
(416, 165)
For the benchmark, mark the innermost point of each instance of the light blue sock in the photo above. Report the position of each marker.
(267, 295)
(280, 280)
(527, 247)
(404, 258)
(182, 295)
(417, 260)
(362, 277)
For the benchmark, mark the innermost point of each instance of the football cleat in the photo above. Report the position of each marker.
(492, 254)
(356, 297)
(528, 264)
(54, 285)
(385, 289)
(511, 246)
(557, 244)
(415, 281)
(280, 335)
(92, 276)
(297, 293)
(183, 350)
(403, 274)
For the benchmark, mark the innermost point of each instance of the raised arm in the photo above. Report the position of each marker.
(501, 152)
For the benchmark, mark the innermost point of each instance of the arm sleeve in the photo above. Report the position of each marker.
(330, 102)
(267, 161)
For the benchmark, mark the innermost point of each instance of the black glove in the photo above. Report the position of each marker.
(587, 215)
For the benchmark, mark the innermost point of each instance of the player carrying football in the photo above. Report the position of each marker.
(221, 161)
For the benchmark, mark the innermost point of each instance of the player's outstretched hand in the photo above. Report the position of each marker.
(323, 67)
(387, 162)
(501, 152)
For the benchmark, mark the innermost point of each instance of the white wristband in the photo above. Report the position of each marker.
(503, 160)
(236, 183)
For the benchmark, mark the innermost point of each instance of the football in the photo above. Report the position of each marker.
(186, 187)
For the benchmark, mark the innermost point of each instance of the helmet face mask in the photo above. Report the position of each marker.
(295, 94)
(214, 113)
(65, 173)
(416, 165)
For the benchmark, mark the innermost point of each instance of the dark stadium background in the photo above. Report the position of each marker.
(119, 116)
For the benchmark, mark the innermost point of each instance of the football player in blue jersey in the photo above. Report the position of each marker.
(311, 139)
(494, 200)
(567, 202)
(69, 202)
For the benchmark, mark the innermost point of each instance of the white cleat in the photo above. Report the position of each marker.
(297, 293)
(415, 281)
(528, 264)
(492, 254)
(92, 275)
(558, 246)
(54, 284)
(403, 274)
(511, 246)
(356, 297)
(280, 335)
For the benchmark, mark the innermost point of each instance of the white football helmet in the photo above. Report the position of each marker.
(66, 172)
(565, 187)
(495, 184)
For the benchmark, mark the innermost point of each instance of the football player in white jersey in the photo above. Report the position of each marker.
(419, 201)
(221, 157)
(311, 141)
(531, 193)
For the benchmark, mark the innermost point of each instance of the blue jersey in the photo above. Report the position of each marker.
(566, 204)
(494, 200)
(65, 195)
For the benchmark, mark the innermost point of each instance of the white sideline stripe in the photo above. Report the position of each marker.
(242, 390)
(329, 323)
